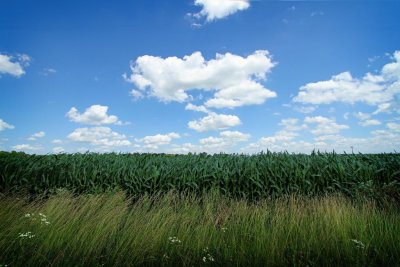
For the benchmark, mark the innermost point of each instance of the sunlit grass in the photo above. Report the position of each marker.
(187, 230)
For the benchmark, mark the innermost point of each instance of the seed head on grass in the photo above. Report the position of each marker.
(358, 243)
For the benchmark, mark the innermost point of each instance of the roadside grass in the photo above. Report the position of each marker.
(177, 229)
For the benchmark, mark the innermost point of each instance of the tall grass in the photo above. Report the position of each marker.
(251, 176)
(190, 230)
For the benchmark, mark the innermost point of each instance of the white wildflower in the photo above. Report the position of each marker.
(27, 234)
(44, 221)
(174, 239)
(208, 256)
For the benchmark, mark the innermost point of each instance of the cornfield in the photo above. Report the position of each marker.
(251, 177)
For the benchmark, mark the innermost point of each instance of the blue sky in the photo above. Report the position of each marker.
(199, 75)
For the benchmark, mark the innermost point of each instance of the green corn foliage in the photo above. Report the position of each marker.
(252, 177)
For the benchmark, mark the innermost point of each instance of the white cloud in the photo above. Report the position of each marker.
(381, 90)
(153, 141)
(370, 122)
(4, 125)
(226, 142)
(214, 122)
(343, 88)
(58, 149)
(102, 137)
(366, 120)
(242, 94)
(136, 95)
(281, 138)
(327, 138)
(324, 125)
(234, 79)
(218, 9)
(184, 148)
(13, 66)
(37, 135)
(381, 141)
(94, 115)
(317, 13)
(56, 141)
(305, 109)
(362, 116)
(291, 125)
(393, 126)
(26, 147)
(192, 107)
(235, 136)
(383, 108)
(48, 71)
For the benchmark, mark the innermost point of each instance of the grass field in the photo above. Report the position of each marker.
(269, 209)
(186, 230)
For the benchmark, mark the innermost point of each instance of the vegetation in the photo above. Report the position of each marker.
(269, 209)
(253, 177)
(188, 230)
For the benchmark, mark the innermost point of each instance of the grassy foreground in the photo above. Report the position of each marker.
(186, 230)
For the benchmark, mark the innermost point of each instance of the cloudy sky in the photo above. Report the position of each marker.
(185, 76)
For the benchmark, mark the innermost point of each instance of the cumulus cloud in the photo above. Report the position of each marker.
(154, 141)
(37, 135)
(324, 125)
(343, 88)
(214, 122)
(101, 136)
(26, 147)
(362, 116)
(366, 120)
(381, 90)
(379, 141)
(94, 115)
(192, 107)
(289, 131)
(234, 136)
(14, 65)
(305, 109)
(370, 122)
(4, 125)
(393, 126)
(218, 9)
(56, 141)
(184, 148)
(136, 95)
(58, 149)
(280, 138)
(291, 125)
(235, 80)
(226, 141)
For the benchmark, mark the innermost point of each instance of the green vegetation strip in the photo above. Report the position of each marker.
(252, 177)
(188, 230)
